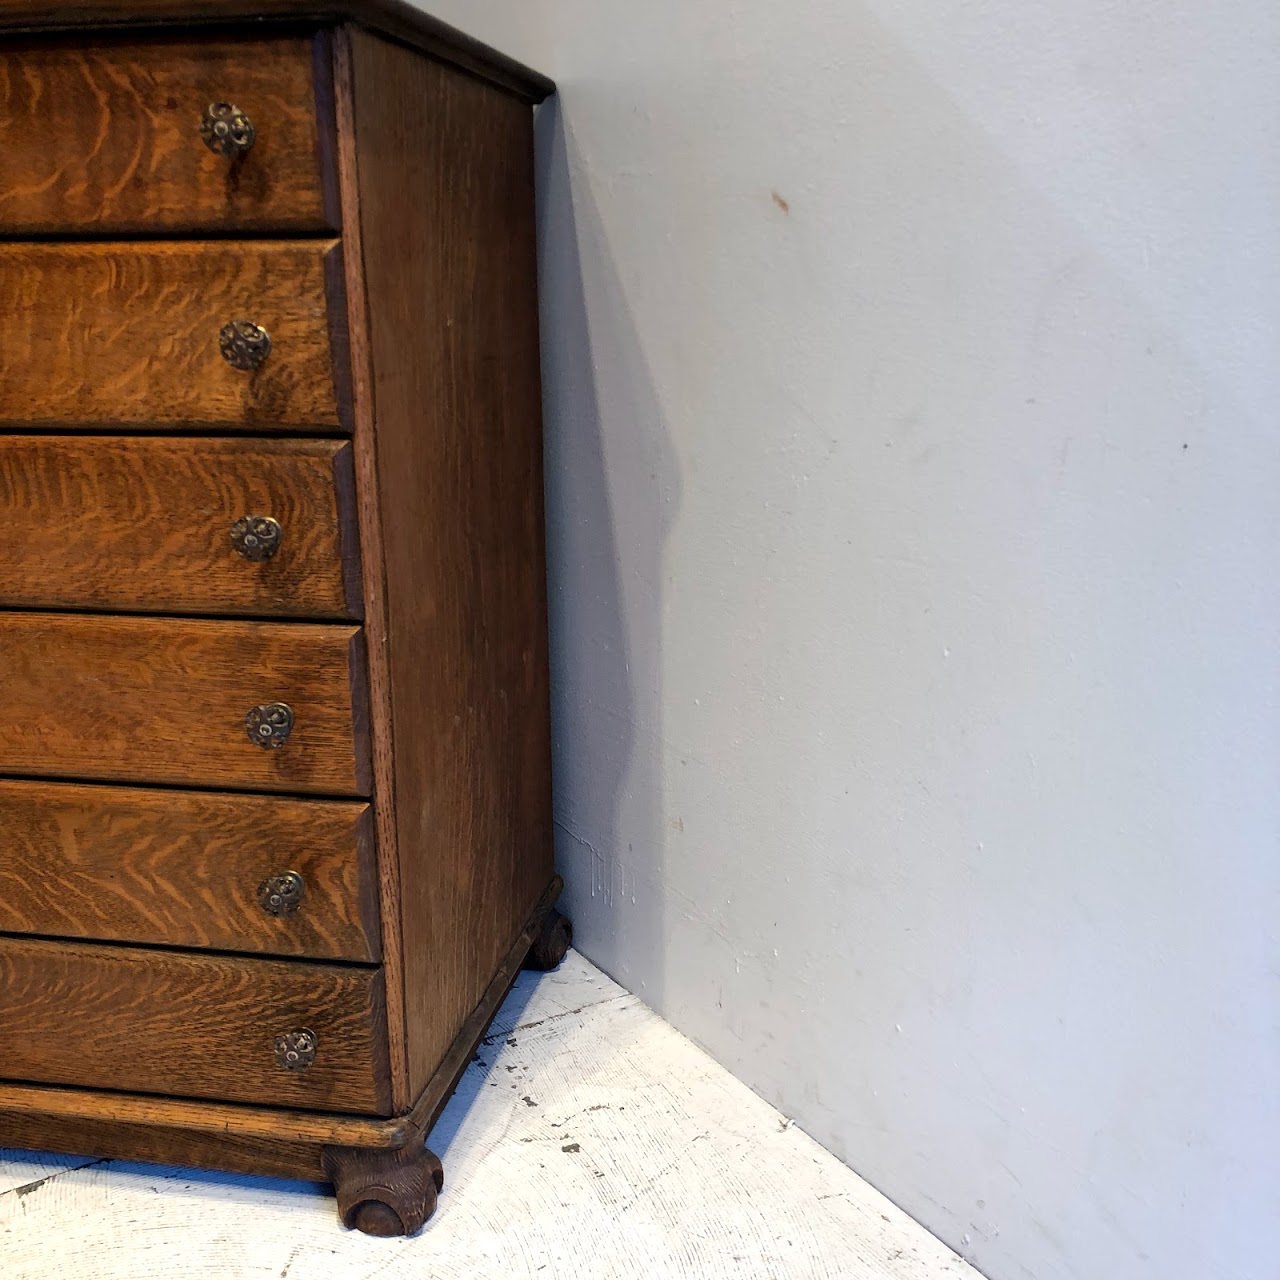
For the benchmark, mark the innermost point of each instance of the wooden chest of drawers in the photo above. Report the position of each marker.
(274, 747)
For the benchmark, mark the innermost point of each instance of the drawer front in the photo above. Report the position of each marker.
(158, 525)
(189, 869)
(165, 700)
(132, 335)
(106, 137)
(191, 1026)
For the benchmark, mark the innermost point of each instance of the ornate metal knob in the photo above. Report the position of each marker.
(270, 725)
(244, 345)
(296, 1050)
(256, 537)
(226, 130)
(282, 895)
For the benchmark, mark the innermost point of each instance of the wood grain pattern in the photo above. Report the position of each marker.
(402, 21)
(103, 137)
(175, 1131)
(135, 523)
(213, 1135)
(163, 700)
(193, 1026)
(369, 509)
(445, 172)
(91, 1123)
(126, 335)
(385, 1193)
(182, 869)
(682, 1174)
(435, 1097)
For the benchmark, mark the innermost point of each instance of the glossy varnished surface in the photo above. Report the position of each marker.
(183, 869)
(143, 524)
(103, 137)
(154, 700)
(188, 1025)
(445, 169)
(113, 335)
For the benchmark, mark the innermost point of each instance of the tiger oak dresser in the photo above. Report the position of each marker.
(275, 830)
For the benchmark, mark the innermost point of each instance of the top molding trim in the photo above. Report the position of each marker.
(395, 19)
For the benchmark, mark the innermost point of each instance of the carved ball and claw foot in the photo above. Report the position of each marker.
(385, 1193)
(553, 941)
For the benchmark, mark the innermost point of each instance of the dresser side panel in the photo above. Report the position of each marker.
(446, 191)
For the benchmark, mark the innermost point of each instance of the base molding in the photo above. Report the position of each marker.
(353, 1152)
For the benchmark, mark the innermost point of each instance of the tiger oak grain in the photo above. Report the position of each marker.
(144, 814)
(103, 137)
(154, 700)
(117, 335)
(143, 525)
(183, 868)
(190, 1026)
(461, 513)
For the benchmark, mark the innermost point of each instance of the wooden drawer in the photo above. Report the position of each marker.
(191, 1026)
(105, 137)
(136, 523)
(165, 700)
(188, 869)
(130, 335)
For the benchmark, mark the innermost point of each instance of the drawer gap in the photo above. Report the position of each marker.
(114, 944)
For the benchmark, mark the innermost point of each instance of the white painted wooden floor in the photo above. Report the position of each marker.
(589, 1141)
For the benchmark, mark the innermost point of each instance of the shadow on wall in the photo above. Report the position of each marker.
(999, 389)
(602, 418)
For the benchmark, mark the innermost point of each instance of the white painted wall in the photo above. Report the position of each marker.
(913, 376)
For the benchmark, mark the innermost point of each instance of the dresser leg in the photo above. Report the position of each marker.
(385, 1193)
(553, 940)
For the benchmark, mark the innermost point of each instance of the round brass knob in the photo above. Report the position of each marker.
(296, 1050)
(270, 725)
(256, 537)
(226, 130)
(282, 895)
(244, 345)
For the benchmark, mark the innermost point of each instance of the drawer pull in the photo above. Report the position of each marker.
(256, 537)
(296, 1051)
(244, 345)
(282, 895)
(270, 725)
(226, 130)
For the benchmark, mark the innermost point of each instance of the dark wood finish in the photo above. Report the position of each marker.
(135, 442)
(457, 404)
(127, 523)
(269, 1141)
(183, 869)
(194, 1026)
(369, 511)
(552, 944)
(103, 137)
(395, 18)
(153, 700)
(116, 335)
(88, 1123)
(386, 1193)
(435, 1097)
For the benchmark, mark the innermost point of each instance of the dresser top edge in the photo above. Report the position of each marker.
(395, 19)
